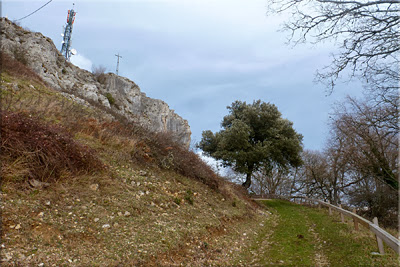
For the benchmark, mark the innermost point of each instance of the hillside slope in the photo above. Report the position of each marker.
(81, 189)
(290, 235)
(107, 91)
(137, 209)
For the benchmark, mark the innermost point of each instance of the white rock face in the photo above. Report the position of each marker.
(44, 58)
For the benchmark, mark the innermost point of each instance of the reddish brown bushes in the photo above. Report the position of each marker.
(148, 148)
(14, 67)
(189, 164)
(162, 150)
(48, 151)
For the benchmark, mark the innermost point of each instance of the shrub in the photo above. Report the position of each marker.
(20, 55)
(189, 197)
(158, 150)
(99, 73)
(48, 151)
(177, 201)
(110, 98)
(98, 70)
(14, 67)
(161, 149)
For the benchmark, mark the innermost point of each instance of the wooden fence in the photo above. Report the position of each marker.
(381, 235)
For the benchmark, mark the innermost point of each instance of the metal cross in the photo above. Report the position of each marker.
(118, 62)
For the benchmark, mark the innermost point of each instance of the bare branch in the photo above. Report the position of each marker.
(366, 32)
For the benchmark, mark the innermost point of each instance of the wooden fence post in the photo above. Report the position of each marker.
(378, 239)
(355, 220)
(341, 214)
(330, 209)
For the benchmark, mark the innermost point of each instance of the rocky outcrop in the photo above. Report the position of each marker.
(118, 93)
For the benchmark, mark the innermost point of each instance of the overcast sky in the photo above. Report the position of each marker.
(198, 56)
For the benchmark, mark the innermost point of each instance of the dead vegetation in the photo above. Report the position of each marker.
(15, 67)
(161, 150)
(115, 193)
(46, 151)
(31, 111)
(100, 73)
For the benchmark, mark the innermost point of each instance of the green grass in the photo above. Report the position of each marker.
(169, 213)
(345, 246)
(338, 242)
(291, 242)
(110, 98)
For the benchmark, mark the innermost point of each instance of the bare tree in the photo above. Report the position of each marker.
(322, 176)
(99, 73)
(360, 161)
(272, 181)
(375, 199)
(372, 139)
(367, 32)
(326, 174)
(98, 70)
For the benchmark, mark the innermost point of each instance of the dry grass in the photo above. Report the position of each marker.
(31, 96)
(152, 198)
(23, 92)
(130, 218)
(152, 205)
(161, 150)
(41, 151)
(17, 68)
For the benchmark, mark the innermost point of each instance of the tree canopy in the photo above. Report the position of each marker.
(372, 137)
(253, 136)
(366, 31)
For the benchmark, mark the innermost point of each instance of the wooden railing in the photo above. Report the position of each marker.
(381, 235)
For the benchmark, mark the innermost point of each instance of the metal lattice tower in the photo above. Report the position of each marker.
(66, 44)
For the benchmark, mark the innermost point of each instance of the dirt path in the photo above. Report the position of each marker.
(286, 234)
(281, 236)
(320, 258)
(297, 235)
(292, 241)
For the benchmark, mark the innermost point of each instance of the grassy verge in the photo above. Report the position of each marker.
(291, 242)
(345, 246)
(339, 244)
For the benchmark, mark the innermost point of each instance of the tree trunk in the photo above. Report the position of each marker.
(247, 183)
(335, 196)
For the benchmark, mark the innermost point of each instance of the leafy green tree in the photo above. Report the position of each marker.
(253, 136)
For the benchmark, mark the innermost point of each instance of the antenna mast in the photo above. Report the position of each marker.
(118, 62)
(66, 43)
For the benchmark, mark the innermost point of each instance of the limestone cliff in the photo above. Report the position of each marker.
(43, 57)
